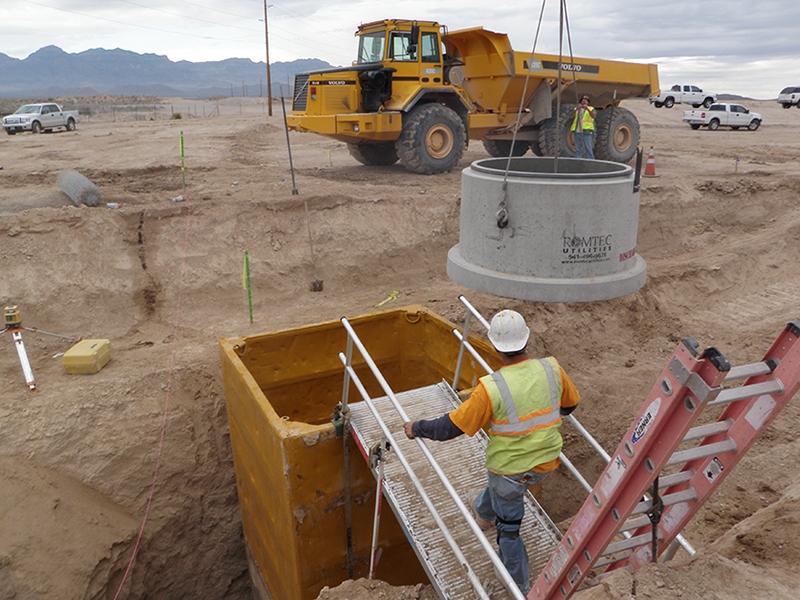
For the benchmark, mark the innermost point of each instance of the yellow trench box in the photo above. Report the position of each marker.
(281, 388)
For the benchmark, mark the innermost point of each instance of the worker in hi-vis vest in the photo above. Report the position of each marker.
(583, 117)
(520, 405)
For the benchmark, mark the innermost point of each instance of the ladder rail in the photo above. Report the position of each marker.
(568, 464)
(508, 581)
(749, 416)
(686, 384)
(471, 311)
(416, 483)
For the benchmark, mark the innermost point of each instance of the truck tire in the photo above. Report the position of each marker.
(70, 124)
(551, 140)
(616, 135)
(695, 126)
(708, 102)
(535, 148)
(669, 102)
(754, 124)
(502, 148)
(713, 124)
(696, 105)
(433, 139)
(374, 155)
(658, 104)
(36, 127)
(9, 132)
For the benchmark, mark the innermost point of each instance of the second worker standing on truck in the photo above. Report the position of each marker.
(522, 404)
(583, 127)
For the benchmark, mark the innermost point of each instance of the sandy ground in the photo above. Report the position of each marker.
(162, 280)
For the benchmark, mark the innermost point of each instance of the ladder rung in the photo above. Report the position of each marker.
(668, 500)
(666, 481)
(751, 370)
(773, 386)
(633, 542)
(701, 431)
(682, 456)
(607, 560)
(635, 522)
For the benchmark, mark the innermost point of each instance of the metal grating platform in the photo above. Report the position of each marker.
(463, 460)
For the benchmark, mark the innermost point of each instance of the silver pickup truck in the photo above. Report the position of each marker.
(40, 117)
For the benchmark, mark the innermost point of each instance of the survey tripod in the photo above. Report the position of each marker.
(13, 324)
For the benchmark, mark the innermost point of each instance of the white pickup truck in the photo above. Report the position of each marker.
(789, 97)
(683, 94)
(722, 115)
(40, 117)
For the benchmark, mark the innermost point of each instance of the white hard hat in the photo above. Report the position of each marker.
(508, 332)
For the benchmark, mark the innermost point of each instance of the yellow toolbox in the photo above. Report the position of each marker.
(87, 356)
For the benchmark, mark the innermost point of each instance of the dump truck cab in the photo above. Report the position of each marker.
(399, 70)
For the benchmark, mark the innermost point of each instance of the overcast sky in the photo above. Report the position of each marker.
(735, 46)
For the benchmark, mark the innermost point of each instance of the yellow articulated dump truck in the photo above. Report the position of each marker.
(418, 93)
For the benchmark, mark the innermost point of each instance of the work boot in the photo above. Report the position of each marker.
(482, 523)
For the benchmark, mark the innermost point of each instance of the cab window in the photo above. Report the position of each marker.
(370, 47)
(430, 47)
(400, 47)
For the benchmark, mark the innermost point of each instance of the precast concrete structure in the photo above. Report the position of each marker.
(570, 234)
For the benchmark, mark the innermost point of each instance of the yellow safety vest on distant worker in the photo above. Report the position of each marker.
(587, 122)
(525, 422)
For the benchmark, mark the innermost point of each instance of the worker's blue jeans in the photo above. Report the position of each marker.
(583, 145)
(502, 501)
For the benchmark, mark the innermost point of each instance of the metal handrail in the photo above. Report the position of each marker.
(571, 418)
(508, 581)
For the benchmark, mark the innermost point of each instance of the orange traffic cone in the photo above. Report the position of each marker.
(650, 167)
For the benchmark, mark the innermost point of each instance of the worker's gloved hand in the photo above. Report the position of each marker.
(407, 428)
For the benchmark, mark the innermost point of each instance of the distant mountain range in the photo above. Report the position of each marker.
(50, 72)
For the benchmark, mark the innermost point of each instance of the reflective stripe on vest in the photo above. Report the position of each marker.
(532, 421)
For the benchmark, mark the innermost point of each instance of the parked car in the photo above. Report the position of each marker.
(789, 97)
(40, 117)
(683, 94)
(723, 115)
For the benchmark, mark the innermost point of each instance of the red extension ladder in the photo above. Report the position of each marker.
(688, 384)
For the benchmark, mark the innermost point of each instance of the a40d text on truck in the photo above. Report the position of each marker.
(418, 93)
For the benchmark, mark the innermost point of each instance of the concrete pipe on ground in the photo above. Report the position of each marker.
(570, 237)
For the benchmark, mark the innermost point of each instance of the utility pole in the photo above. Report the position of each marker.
(269, 80)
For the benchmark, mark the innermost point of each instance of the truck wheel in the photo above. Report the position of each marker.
(694, 126)
(535, 148)
(696, 105)
(669, 102)
(433, 139)
(616, 135)
(70, 124)
(374, 155)
(502, 148)
(708, 102)
(658, 104)
(36, 127)
(754, 124)
(552, 140)
(9, 132)
(713, 125)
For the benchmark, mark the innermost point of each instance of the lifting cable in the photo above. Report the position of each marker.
(502, 211)
(501, 215)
